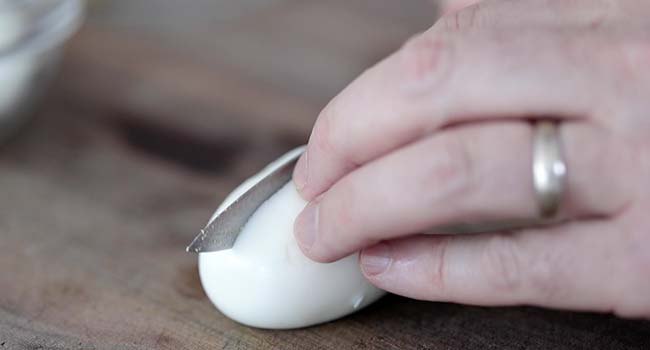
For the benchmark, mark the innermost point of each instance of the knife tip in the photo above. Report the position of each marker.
(195, 246)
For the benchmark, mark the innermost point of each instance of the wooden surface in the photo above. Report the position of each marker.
(158, 112)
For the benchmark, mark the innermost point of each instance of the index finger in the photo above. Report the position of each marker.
(440, 79)
(368, 118)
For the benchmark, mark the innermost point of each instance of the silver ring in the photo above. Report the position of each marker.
(549, 168)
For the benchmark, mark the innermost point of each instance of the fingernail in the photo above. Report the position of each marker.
(300, 172)
(306, 226)
(376, 259)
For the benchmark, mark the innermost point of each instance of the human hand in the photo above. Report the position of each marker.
(440, 133)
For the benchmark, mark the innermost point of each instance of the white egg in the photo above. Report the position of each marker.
(265, 281)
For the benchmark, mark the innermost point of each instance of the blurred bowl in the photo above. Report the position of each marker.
(32, 34)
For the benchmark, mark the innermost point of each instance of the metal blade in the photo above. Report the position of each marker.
(221, 233)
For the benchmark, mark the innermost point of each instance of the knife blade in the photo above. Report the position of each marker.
(221, 233)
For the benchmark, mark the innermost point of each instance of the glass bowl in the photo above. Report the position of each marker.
(32, 34)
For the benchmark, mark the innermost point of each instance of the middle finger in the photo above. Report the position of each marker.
(473, 173)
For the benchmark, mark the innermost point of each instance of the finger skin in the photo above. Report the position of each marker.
(425, 87)
(582, 266)
(473, 173)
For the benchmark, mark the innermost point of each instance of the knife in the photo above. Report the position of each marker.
(221, 233)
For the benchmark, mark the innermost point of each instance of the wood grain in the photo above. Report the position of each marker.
(157, 113)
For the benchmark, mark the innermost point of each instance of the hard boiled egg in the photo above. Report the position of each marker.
(265, 280)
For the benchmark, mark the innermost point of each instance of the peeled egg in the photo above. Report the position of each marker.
(265, 280)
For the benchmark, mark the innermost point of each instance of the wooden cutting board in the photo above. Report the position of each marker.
(159, 111)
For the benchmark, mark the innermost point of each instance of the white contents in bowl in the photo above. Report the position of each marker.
(11, 23)
(265, 281)
(15, 69)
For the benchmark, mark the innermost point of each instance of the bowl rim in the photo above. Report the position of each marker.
(48, 24)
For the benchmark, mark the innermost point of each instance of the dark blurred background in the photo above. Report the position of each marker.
(162, 107)
(222, 87)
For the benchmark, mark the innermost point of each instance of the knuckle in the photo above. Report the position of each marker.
(436, 275)
(451, 170)
(542, 276)
(423, 59)
(502, 263)
(464, 19)
(511, 270)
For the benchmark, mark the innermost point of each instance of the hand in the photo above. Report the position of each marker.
(439, 133)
